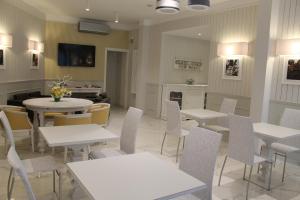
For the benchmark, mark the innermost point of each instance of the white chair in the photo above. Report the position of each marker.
(242, 147)
(174, 125)
(128, 136)
(22, 168)
(228, 107)
(199, 159)
(290, 119)
(34, 165)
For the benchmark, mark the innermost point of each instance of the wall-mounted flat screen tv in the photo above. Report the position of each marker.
(75, 55)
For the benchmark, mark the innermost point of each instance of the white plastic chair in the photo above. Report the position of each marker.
(174, 125)
(128, 136)
(199, 159)
(34, 165)
(227, 107)
(19, 169)
(290, 119)
(242, 147)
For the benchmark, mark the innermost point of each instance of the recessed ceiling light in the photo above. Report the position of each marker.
(87, 6)
(199, 4)
(199, 34)
(116, 18)
(167, 6)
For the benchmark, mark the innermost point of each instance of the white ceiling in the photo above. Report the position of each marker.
(192, 32)
(129, 11)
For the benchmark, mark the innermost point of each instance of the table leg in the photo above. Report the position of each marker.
(41, 144)
(35, 126)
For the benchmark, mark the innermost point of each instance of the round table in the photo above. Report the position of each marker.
(41, 105)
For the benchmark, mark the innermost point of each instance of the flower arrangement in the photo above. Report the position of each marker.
(58, 88)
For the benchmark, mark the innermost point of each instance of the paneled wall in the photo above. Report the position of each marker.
(237, 25)
(234, 26)
(18, 77)
(289, 27)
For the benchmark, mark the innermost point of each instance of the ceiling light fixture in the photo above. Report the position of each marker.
(199, 34)
(87, 6)
(167, 6)
(199, 4)
(116, 18)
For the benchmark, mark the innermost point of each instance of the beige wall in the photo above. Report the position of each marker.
(57, 32)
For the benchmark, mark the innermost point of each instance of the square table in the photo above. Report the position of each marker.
(271, 133)
(75, 136)
(57, 136)
(202, 115)
(140, 176)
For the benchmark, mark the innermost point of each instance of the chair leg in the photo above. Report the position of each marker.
(248, 184)
(10, 185)
(54, 181)
(162, 144)
(275, 159)
(177, 152)
(32, 141)
(224, 162)
(245, 169)
(284, 166)
(258, 168)
(5, 146)
(59, 185)
(183, 142)
(65, 154)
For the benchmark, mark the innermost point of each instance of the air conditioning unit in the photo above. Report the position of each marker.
(94, 26)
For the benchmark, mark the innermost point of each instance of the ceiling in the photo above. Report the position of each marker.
(197, 32)
(129, 11)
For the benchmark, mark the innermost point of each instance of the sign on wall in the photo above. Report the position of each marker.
(188, 64)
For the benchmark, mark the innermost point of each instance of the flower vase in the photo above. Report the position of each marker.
(57, 99)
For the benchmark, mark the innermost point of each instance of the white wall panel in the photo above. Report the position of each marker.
(289, 27)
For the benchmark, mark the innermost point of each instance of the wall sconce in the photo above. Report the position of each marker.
(5, 41)
(233, 49)
(288, 47)
(35, 46)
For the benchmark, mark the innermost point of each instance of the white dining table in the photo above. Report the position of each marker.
(271, 133)
(140, 176)
(202, 115)
(41, 105)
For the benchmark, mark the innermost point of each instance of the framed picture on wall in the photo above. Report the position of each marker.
(34, 61)
(2, 59)
(291, 70)
(232, 68)
(188, 64)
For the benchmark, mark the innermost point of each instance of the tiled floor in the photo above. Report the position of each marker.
(149, 139)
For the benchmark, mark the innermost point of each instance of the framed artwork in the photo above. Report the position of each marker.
(232, 68)
(188, 64)
(2, 59)
(291, 70)
(34, 61)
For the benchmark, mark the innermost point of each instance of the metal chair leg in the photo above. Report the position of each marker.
(177, 152)
(248, 184)
(224, 162)
(284, 166)
(162, 144)
(54, 180)
(245, 169)
(10, 184)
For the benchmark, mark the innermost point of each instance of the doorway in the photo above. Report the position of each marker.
(116, 77)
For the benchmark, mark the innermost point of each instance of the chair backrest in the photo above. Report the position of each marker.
(241, 139)
(199, 157)
(129, 130)
(7, 129)
(19, 169)
(18, 120)
(228, 106)
(100, 105)
(9, 107)
(173, 118)
(100, 115)
(77, 119)
(290, 118)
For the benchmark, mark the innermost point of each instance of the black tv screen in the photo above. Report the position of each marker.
(75, 55)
